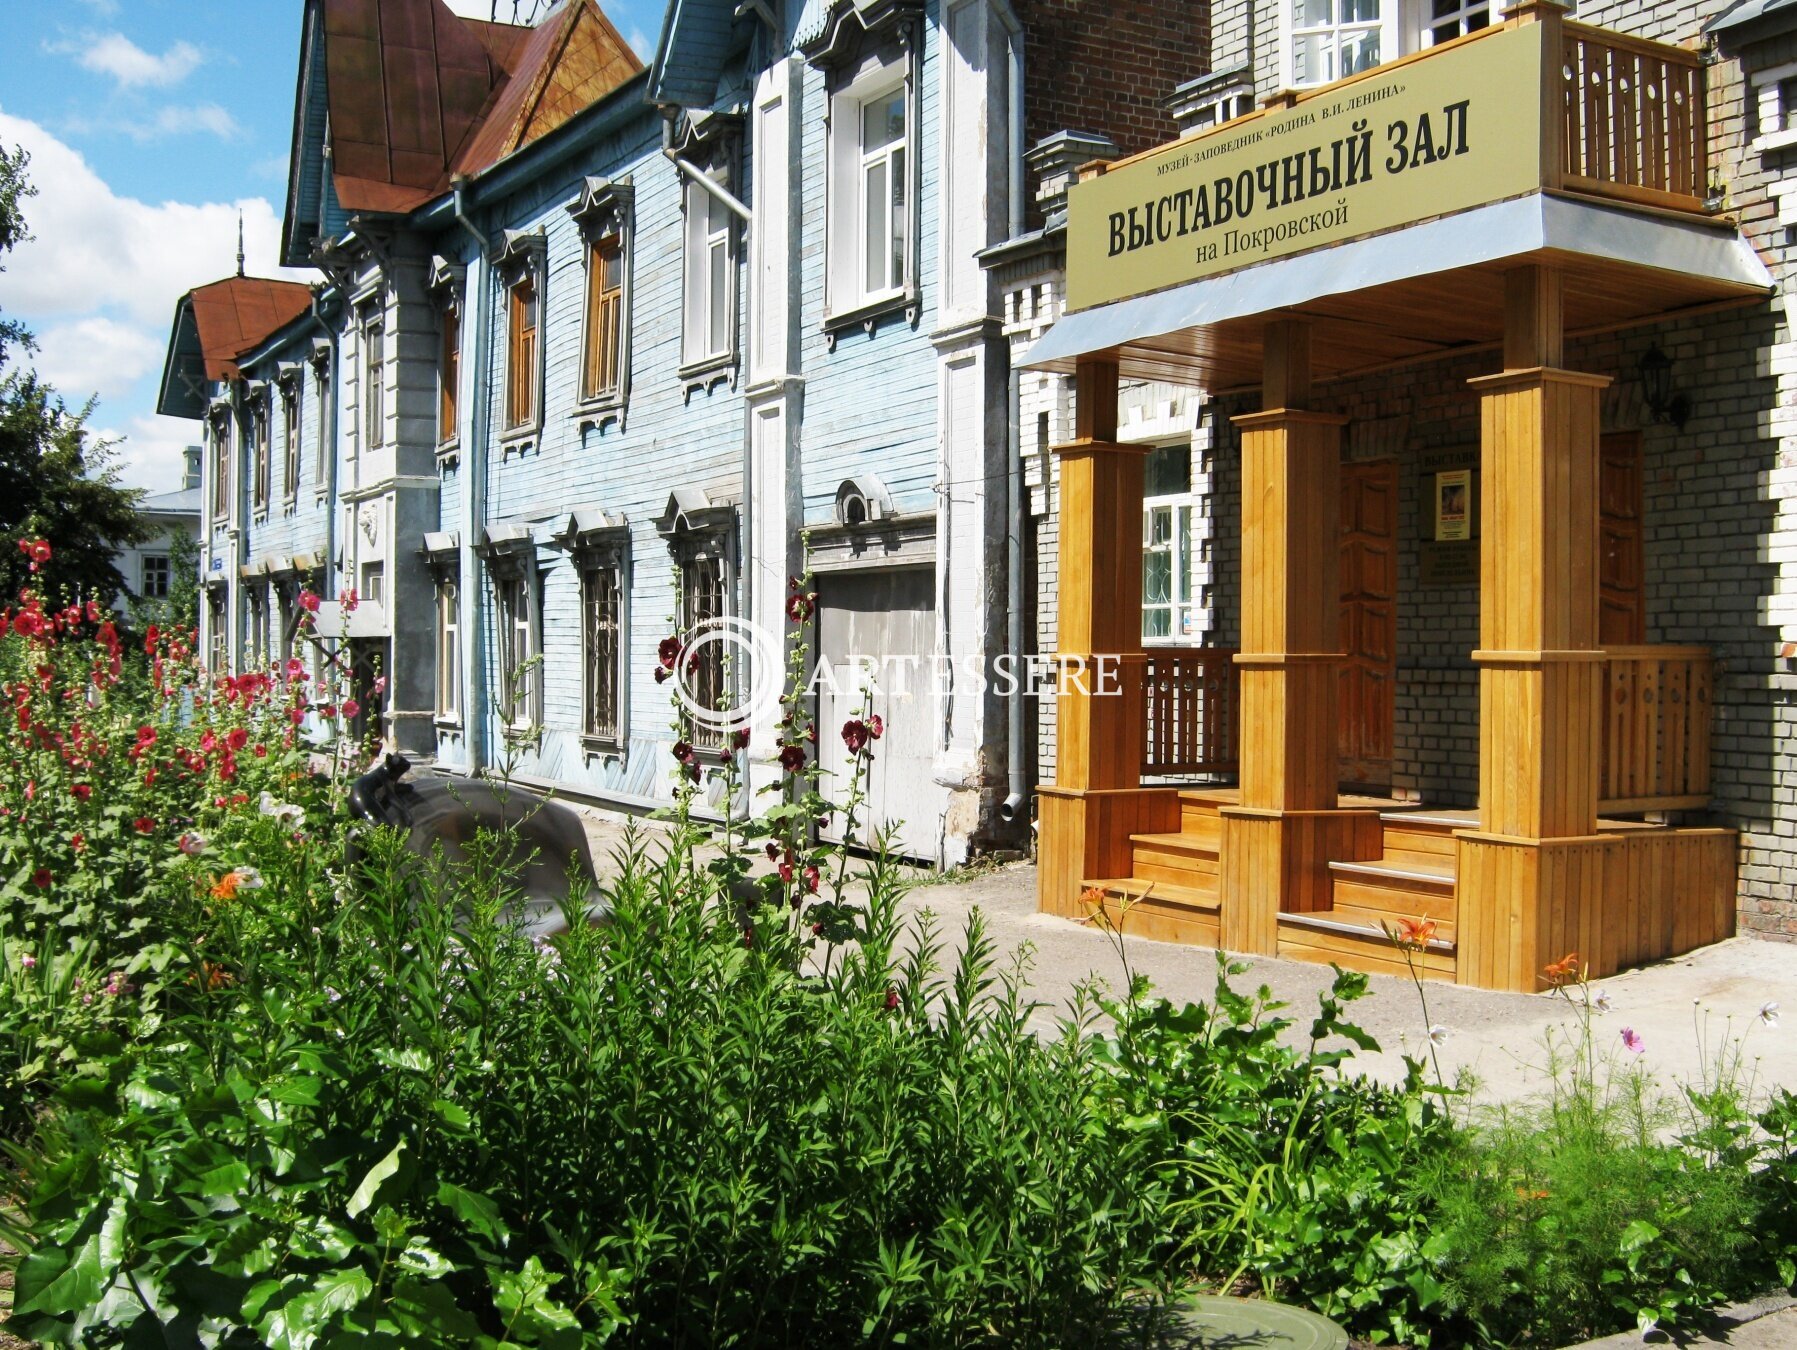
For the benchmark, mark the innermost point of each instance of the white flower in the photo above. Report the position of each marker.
(248, 878)
(1601, 1000)
(1769, 1012)
(191, 843)
(1438, 1035)
(285, 812)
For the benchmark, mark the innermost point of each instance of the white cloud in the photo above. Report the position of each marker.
(130, 65)
(185, 121)
(150, 450)
(95, 355)
(106, 8)
(99, 281)
(96, 250)
(640, 44)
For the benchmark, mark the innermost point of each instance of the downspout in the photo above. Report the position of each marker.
(330, 442)
(474, 497)
(688, 171)
(1016, 803)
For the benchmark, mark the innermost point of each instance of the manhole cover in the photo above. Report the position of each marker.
(1249, 1324)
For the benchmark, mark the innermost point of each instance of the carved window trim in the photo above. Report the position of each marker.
(605, 213)
(523, 256)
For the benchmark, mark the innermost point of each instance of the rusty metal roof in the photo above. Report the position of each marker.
(239, 313)
(573, 59)
(417, 93)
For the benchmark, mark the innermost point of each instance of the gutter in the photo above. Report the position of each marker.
(474, 497)
(330, 515)
(692, 174)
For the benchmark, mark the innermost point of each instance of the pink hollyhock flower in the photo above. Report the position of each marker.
(309, 601)
(351, 709)
(349, 599)
(192, 844)
(237, 738)
(28, 961)
(380, 685)
(876, 726)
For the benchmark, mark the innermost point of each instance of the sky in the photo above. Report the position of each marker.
(151, 125)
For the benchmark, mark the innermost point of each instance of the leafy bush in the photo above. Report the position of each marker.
(269, 1079)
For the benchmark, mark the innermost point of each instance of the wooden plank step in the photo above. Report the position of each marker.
(1175, 858)
(1399, 873)
(1162, 912)
(1323, 939)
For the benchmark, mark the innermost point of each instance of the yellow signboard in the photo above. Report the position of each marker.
(1450, 131)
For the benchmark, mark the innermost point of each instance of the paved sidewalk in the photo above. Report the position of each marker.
(1770, 1324)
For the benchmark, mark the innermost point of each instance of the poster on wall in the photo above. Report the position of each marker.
(1453, 506)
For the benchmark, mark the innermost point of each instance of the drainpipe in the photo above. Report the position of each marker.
(330, 482)
(1016, 803)
(474, 496)
(688, 171)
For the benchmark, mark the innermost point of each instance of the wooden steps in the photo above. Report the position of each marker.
(1329, 938)
(1177, 859)
(1161, 911)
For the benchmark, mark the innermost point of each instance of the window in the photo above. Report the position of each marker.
(602, 636)
(286, 614)
(374, 583)
(600, 361)
(1169, 611)
(449, 650)
(155, 576)
(321, 383)
(710, 320)
(521, 358)
(256, 644)
(1445, 20)
(871, 198)
(1331, 39)
(217, 633)
(449, 373)
(221, 468)
(885, 218)
(259, 452)
(519, 672)
(290, 439)
(702, 600)
(374, 390)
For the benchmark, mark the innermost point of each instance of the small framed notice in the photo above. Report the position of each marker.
(1453, 506)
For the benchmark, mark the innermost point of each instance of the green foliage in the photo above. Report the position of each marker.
(14, 189)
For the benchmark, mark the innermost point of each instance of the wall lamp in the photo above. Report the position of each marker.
(1663, 401)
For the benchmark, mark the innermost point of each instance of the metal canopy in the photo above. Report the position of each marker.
(1428, 290)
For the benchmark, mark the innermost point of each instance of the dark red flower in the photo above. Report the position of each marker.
(812, 876)
(143, 825)
(876, 726)
(773, 852)
(792, 758)
(799, 608)
(854, 735)
(892, 999)
(669, 652)
(238, 738)
(683, 752)
(82, 791)
(42, 878)
(786, 873)
(739, 739)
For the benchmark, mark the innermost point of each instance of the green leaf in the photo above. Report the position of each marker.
(1636, 1236)
(51, 1283)
(380, 1172)
(295, 1324)
(473, 1209)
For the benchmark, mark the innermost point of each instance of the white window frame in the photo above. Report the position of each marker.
(292, 432)
(166, 565)
(221, 512)
(847, 296)
(519, 638)
(259, 451)
(524, 254)
(604, 569)
(218, 644)
(710, 243)
(322, 439)
(1183, 590)
(1404, 26)
(374, 379)
(449, 648)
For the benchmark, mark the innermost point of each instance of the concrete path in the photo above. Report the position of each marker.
(1770, 1324)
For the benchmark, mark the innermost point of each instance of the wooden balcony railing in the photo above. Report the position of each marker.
(1656, 732)
(1632, 123)
(1190, 695)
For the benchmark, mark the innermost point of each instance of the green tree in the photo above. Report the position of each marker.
(61, 485)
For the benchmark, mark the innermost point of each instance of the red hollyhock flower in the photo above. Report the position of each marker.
(143, 825)
(740, 739)
(40, 551)
(854, 735)
(892, 999)
(683, 752)
(238, 738)
(792, 758)
(42, 878)
(82, 791)
(669, 652)
(812, 877)
(773, 853)
(309, 602)
(786, 873)
(876, 726)
(798, 608)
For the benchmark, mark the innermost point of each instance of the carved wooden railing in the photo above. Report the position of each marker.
(1656, 729)
(1632, 120)
(1191, 699)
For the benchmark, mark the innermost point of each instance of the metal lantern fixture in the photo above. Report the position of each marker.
(1665, 403)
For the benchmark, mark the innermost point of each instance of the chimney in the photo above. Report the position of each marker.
(1056, 161)
(190, 477)
(1211, 100)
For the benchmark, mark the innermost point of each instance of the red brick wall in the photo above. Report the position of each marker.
(1110, 67)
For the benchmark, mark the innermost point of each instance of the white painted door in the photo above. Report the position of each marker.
(889, 618)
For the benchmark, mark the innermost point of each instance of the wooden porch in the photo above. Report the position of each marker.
(1579, 743)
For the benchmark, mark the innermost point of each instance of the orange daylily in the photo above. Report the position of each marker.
(1564, 971)
(225, 888)
(1413, 933)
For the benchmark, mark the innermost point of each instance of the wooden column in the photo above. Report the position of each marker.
(1530, 879)
(1277, 843)
(1096, 801)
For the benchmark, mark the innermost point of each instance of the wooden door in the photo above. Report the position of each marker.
(1622, 608)
(1369, 621)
